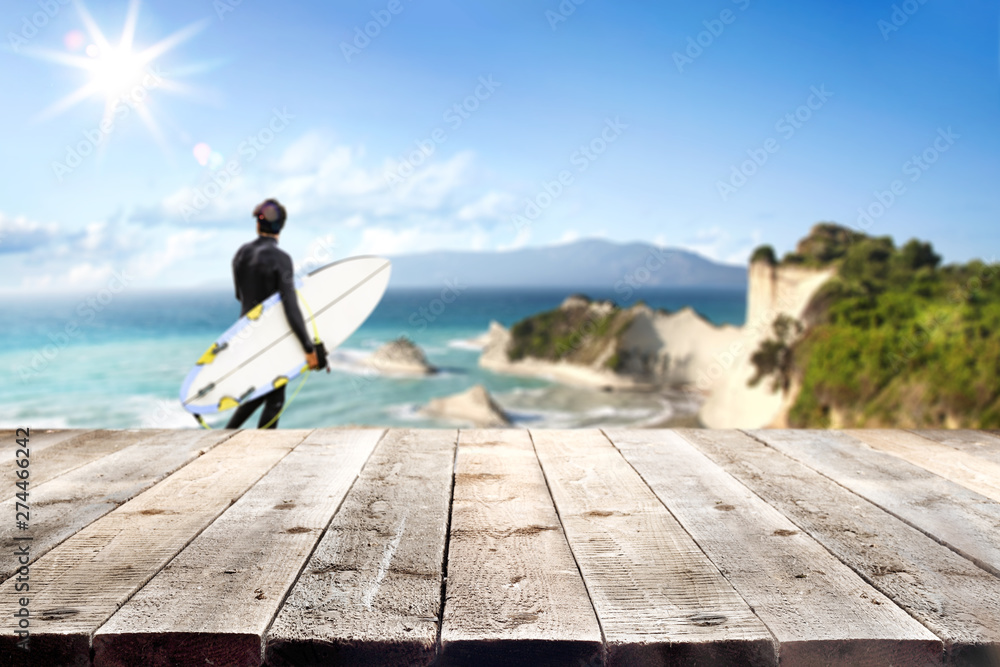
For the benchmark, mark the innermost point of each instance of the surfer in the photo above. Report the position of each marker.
(260, 269)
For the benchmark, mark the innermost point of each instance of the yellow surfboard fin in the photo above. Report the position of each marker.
(228, 402)
(208, 357)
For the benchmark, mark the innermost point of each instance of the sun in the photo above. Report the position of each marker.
(118, 72)
(115, 71)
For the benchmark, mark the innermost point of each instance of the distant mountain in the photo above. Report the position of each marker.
(581, 265)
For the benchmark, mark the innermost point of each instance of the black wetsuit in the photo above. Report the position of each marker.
(260, 269)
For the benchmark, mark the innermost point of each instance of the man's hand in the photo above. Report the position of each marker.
(312, 359)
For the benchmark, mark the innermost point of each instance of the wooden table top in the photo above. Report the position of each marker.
(482, 547)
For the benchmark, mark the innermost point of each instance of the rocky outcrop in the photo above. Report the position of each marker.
(577, 354)
(474, 406)
(400, 357)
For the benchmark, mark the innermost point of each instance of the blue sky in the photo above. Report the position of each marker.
(653, 134)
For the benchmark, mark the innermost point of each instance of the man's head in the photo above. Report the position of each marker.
(270, 216)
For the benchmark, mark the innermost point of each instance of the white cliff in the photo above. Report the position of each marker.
(730, 403)
(682, 349)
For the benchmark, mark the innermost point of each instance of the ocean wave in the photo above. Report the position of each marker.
(348, 360)
(465, 344)
(35, 422)
(405, 412)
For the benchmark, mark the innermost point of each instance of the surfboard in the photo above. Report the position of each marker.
(260, 352)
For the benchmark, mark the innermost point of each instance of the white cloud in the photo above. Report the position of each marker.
(720, 245)
(87, 275)
(304, 154)
(23, 235)
(177, 247)
(520, 241)
(392, 241)
(568, 236)
(314, 178)
(84, 276)
(491, 206)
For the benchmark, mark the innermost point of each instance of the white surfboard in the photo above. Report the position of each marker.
(261, 352)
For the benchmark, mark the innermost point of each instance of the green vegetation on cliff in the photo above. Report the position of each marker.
(579, 331)
(893, 339)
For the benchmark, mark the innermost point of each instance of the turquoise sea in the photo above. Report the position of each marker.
(74, 362)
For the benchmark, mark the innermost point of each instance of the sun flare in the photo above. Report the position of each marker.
(119, 74)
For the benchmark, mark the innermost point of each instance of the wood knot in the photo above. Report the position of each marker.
(705, 619)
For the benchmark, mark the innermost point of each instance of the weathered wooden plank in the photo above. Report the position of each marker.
(78, 585)
(38, 442)
(970, 471)
(514, 593)
(59, 455)
(977, 443)
(658, 597)
(42, 438)
(213, 603)
(63, 505)
(959, 518)
(958, 601)
(815, 606)
(371, 593)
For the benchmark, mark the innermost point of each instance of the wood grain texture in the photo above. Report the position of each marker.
(659, 599)
(371, 592)
(78, 585)
(41, 439)
(213, 603)
(978, 443)
(514, 593)
(38, 442)
(970, 471)
(62, 506)
(961, 519)
(956, 600)
(63, 454)
(814, 605)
